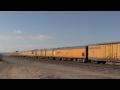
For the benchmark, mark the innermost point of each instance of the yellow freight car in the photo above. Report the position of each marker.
(78, 53)
(104, 52)
(28, 54)
(49, 53)
(15, 54)
(38, 53)
(22, 54)
(43, 55)
(18, 54)
(31, 53)
(62, 52)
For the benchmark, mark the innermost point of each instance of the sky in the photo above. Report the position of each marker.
(28, 30)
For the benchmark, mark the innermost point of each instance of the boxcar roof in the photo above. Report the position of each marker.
(104, 43)
(71, 47)
(64, 47)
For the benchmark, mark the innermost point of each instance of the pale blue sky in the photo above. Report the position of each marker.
(27, 30)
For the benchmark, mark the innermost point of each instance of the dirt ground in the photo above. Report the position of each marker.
(22, 68)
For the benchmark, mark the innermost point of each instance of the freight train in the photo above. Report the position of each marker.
(98, 53)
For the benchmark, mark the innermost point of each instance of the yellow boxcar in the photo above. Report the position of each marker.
(79, 52)
(43, 53)
(104, 52)
(38, 53)
(15, 54)
(49, 53)
(112, 51)
(96, 51)
(23, 54)
(18, 54)
(31, 53)
(62, 52)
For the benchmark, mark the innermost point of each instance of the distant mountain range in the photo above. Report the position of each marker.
(5, 53)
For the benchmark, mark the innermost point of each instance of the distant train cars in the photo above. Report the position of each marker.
(71, 53)
(99, 53)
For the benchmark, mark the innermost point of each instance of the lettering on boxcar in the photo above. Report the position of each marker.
(98, 47)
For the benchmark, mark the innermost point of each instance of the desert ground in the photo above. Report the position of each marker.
(27, 68)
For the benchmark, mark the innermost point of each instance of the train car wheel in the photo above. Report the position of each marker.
(78, 60)
(104, 62)
(98, 62)
(83, 60)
